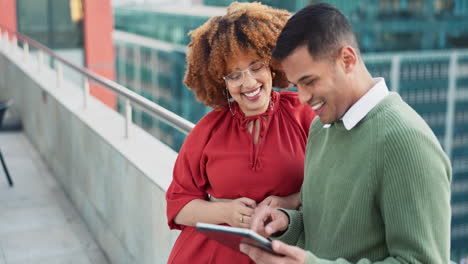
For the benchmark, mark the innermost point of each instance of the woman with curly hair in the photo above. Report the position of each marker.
(250, 149)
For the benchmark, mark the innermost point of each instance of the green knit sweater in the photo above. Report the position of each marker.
(378, 193)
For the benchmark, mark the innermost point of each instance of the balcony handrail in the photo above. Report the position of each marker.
(131, 97)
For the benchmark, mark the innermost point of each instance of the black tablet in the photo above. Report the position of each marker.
(233, 236)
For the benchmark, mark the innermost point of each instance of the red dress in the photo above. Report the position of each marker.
(219, 158)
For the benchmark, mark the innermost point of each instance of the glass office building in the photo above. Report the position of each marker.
(152, 61)
(167, 23)
(56, 24)
(435, 84)
(395, 25)
(155, 69)
(51, 23)
(291, 6)
(432, 77)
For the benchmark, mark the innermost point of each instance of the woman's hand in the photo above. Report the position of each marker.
(292, 201)
(238, 212)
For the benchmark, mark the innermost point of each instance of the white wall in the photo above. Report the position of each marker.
(117, 184)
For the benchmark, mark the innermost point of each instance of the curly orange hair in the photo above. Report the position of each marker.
(246, 28)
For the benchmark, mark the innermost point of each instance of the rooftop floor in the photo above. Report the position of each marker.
(38, 223)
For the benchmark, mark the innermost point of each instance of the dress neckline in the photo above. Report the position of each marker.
(264, 123)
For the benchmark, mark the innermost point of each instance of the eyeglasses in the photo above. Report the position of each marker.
(235, 79)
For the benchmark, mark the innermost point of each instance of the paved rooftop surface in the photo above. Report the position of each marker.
(38, 223)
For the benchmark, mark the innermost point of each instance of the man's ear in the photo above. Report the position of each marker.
(348, 58)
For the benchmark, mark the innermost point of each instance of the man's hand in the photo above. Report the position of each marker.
(292, 201)
(292, 255)
(267, 220)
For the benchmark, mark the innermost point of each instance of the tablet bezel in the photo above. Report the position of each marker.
(227, 234)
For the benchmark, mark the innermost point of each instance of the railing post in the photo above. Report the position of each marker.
(85, 93)
(451, 97)
(128, 117)
(2, 42)
(395, 73)
(40, 60)
(58, 68)
(7, 41)
(14, 45)
(26, 50)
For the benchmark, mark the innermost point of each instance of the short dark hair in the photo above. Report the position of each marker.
(322, 27)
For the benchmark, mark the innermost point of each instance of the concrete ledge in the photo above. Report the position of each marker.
(117, 184)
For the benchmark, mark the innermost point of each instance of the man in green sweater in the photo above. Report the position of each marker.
(377, 182)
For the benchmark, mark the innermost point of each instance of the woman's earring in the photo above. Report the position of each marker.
(229, 102)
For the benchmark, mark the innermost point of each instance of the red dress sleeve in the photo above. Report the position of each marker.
(302, 113)
(189, 179)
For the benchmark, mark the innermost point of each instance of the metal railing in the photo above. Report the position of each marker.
(10, 44)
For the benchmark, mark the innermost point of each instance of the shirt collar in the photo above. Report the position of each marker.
(365, 104)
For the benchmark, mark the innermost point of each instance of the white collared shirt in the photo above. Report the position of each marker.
(365, 104)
